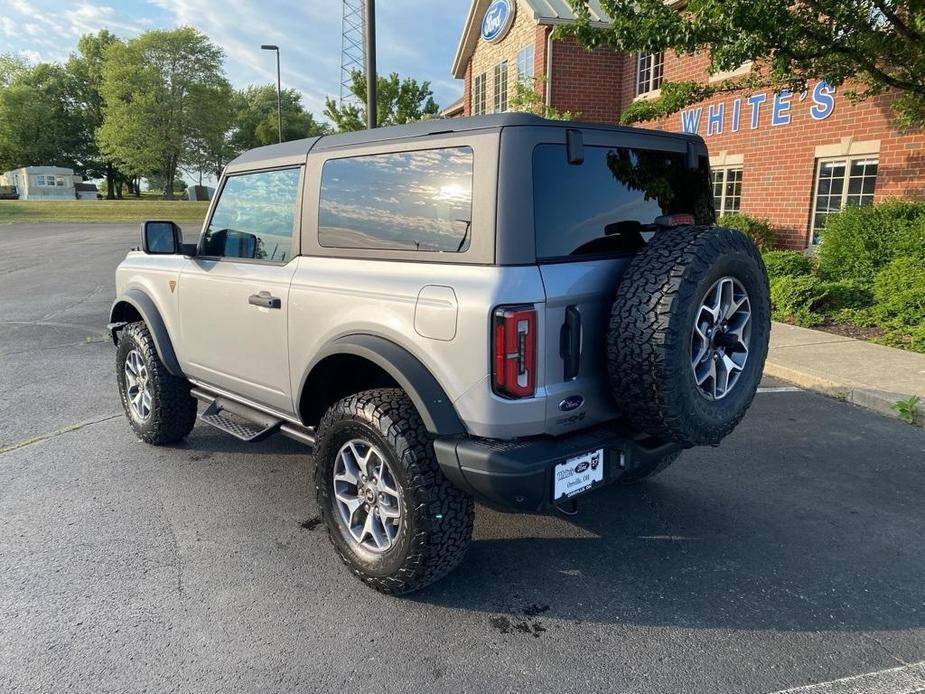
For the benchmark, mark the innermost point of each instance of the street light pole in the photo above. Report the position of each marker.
(279, 89)
(372, 118)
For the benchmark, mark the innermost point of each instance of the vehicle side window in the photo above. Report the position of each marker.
(417, 201)
(254, 217)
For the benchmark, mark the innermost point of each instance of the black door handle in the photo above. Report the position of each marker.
(264, 300)
(570, 343)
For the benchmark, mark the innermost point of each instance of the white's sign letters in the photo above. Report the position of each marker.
(724, 117)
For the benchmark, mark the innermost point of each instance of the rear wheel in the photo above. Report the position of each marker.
(394, 519)
(158, 405)
(689, 333)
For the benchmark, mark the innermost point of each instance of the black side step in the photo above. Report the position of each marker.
(247, 423)
(243, 423)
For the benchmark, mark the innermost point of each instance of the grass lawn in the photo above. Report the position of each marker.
(103, 211)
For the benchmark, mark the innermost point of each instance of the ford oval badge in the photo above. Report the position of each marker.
(572, 403)
(498, 20)
(582, 467)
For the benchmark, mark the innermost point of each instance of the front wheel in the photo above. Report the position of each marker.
(158, 405)
(394, 519)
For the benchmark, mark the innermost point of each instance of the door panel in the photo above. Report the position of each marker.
(234, 297)
(230, 341)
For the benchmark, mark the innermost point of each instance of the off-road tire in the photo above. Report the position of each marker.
(173, 409)
(649, 336)
(436, 529)
(647, 471)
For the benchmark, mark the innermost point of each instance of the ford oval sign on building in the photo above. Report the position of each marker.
(498, 20)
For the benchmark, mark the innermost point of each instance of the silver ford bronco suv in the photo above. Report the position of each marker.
(503, 309)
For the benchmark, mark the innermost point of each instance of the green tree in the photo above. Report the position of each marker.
(164, 91)
(527, 99)
(39, 123)
(85, 68)
(11, 67)
(157, 183)
(399, 101)
(255, 120)
(873, 45)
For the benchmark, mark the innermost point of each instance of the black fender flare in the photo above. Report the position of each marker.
(429, 398)
(146, 308)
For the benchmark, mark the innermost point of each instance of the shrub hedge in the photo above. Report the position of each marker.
(757, 229)
(869, 272)
(858, 242)
(787, 264)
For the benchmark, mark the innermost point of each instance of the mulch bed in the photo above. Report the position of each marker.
(854, 331)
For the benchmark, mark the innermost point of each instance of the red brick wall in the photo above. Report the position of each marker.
(779, 161)
(587, 83)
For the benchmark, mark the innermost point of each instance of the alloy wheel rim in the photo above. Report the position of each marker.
(367, 495)
(137, 385)
(720, 338)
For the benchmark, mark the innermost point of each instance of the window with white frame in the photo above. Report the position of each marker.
(727, 189)
(49, 181)
(525, 65)
(649, 69)
(500, 87)
(841, 183)
(479, 95)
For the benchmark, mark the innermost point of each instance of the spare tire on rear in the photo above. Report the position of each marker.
(688, 334)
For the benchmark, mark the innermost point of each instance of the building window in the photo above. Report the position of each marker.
(840, 183)
(727, 190)
(478, 95)
(525, 65)
(50, 181)
(649, 67)
(501, 87)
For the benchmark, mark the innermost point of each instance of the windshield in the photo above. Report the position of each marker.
(599, 206)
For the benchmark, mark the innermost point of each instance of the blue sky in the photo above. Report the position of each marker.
(416, 37)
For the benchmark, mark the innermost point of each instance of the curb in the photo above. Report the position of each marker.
(876, 400)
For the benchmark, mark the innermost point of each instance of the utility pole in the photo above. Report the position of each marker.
(279, 89)
(372, 117)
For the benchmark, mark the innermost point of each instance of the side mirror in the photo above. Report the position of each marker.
(161, 238)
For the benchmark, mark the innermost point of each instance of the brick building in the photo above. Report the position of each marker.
(793, 158)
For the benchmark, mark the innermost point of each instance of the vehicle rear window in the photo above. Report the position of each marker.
(579, 208)
(408, 201)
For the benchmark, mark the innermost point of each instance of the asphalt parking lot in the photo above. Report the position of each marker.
(792, 555)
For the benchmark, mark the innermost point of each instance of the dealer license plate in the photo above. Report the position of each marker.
(577, 475)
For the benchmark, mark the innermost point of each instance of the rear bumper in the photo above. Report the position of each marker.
(518, 475)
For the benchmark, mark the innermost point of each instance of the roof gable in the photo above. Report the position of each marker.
(549, 12)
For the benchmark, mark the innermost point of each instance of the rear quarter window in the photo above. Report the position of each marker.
(408, 201)
(584, 209)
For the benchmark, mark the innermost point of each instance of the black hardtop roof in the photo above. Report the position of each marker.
(301, 148)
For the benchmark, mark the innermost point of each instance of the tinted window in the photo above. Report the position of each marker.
(598, 206)
(417, 201)
(254, 217)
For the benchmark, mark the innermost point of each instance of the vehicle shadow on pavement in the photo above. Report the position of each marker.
(817, 530)
(663, 555)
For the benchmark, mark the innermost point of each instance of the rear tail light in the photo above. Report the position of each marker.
(514, 351)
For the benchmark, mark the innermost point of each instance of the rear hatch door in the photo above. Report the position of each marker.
(590, 219)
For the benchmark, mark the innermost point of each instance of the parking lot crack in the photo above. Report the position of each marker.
(54, 434)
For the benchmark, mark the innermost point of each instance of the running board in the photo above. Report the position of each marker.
(247, 423)
(243, 423)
